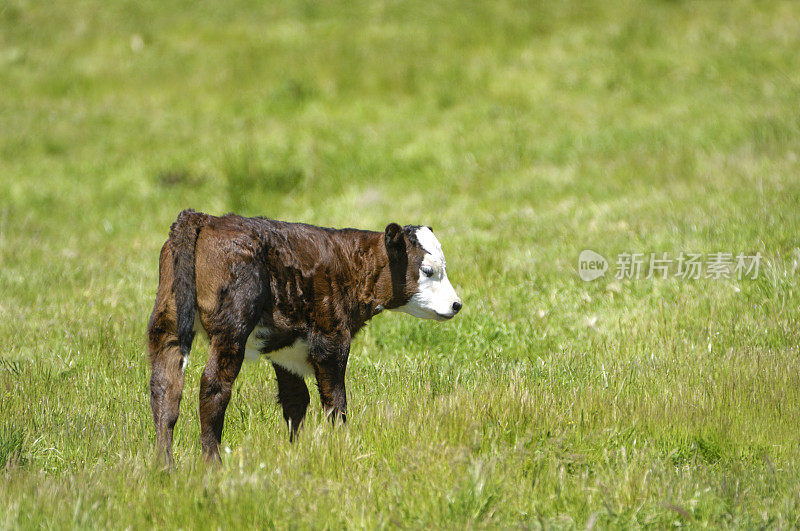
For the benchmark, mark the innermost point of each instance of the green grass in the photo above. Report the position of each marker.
(523, 133)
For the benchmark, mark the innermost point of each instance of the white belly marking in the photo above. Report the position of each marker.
(293, 358)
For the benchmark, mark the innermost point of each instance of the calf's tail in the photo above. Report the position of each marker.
(183, 234)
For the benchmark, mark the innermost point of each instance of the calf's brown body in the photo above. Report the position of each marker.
(230, 274)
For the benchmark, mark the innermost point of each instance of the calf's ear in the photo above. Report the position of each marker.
(394, 239)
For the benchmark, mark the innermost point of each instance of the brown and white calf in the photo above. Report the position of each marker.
(293, 292)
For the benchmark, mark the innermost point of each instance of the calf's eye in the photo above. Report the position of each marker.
(427, 271)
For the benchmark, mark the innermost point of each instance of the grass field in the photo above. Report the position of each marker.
(523, 133)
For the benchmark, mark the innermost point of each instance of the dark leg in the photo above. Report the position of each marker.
(330, 364)
(215, 391)
(166, 388)
(293, 397)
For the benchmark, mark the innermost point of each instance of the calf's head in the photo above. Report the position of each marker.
(419, 273)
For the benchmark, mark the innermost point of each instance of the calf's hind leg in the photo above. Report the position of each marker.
(216, 384)
(166, 387)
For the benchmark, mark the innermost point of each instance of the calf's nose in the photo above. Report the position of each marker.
(456, 306)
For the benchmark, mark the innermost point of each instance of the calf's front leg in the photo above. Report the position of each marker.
(293, 397)
(329, 359)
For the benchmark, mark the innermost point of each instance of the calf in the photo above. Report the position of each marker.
(293, 292)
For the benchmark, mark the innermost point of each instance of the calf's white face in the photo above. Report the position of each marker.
(435, 297)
